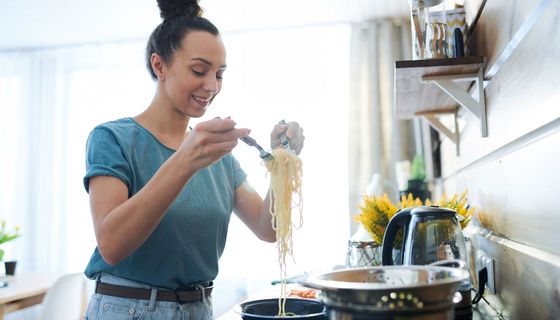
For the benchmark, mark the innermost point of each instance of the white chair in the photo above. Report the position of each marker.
(66, 299)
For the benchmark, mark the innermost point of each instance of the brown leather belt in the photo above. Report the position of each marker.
(181, 296)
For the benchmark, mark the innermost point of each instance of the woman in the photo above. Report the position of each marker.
(161, 195)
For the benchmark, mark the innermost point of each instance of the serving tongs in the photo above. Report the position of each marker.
(285, 143)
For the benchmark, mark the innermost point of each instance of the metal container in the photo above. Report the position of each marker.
(389, 292)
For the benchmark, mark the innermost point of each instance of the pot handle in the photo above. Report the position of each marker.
(399, 220)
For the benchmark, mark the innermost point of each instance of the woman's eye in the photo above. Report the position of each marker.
(202, 73)
(220, 74)
(198, 73)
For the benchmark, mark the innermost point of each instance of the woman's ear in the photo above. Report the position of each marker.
(157, 66)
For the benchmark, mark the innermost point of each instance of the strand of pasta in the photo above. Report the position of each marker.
(285, 181)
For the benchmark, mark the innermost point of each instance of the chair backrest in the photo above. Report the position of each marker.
(65, 300)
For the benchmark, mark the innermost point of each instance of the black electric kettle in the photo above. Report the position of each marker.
(430, 235)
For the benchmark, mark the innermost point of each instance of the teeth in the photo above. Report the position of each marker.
(202, 100)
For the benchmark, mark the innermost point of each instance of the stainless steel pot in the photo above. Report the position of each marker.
(389, 292)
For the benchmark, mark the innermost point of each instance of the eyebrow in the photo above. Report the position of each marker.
(207, 62)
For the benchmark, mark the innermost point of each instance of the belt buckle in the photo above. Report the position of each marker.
(177, 296)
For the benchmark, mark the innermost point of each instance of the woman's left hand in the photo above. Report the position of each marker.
(293, 132)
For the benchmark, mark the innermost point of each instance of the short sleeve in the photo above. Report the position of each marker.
(105, 157)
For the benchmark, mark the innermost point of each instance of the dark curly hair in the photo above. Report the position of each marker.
(179, 18)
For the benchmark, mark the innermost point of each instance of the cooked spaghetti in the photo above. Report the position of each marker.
(285, 182)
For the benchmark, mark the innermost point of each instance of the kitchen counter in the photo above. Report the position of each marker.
(481, 311)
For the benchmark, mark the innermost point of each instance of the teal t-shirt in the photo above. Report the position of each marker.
(185, 247)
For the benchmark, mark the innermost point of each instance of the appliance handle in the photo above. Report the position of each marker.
(399, 220)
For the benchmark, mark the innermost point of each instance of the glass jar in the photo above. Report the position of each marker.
(363, 251)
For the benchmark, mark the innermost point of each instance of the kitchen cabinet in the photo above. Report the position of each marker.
(434, 87)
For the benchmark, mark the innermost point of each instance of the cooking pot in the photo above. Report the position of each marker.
(389, 292)
(305, 309)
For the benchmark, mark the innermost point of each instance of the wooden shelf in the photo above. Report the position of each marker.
(412, 94)
(434, 87)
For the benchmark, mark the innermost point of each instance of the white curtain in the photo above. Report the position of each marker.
(377, 140)
(49, 101)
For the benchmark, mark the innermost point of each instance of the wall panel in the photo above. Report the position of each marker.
(513, 175)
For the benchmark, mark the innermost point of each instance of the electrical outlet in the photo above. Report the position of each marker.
(483, 260)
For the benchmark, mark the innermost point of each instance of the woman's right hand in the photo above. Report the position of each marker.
(209, 141)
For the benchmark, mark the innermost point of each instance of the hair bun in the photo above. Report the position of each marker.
(170, 9)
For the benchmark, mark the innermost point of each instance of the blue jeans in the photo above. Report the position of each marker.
(103, 307)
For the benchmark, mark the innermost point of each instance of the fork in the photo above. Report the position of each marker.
(266, 155)
(253, 143)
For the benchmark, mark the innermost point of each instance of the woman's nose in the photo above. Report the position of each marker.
(211, 84)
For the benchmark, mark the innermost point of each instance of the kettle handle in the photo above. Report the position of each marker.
(399, 220)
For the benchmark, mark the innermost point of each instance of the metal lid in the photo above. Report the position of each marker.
(389, 288)
(387, 277)
(433, 211)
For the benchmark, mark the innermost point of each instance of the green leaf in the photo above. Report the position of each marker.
(417, 171)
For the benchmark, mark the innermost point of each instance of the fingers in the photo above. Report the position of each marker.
(220, 130)
(278, 129)
(220, 149)
(296, 142)
(293, 132)
(217, 125)
(276, 134)
(210, 140)
(296, 137)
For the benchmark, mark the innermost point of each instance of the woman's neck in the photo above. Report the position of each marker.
(166, 124)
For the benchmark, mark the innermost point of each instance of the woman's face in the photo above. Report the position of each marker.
(194, 76)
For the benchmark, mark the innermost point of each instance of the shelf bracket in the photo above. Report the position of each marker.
(432, 117)
(447, 83)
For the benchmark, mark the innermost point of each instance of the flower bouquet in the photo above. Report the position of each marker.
(376, 212)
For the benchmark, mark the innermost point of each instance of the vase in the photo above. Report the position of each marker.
(418, 189)
(363, 251)
(10, 267)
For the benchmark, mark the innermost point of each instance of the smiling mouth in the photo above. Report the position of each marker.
(202, 100)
